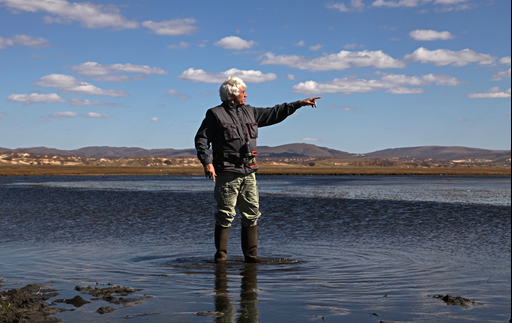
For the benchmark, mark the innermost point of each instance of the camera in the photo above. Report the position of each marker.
(247, 152)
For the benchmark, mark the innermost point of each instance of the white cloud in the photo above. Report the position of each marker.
(96, 115)
(155, 119)
(443, 57)
(69, 114)
(32, 42)
(81, 103)
(341, 7)
(450, 2)
(90, 15)
(448, 8)
(251, 76)
(393, 83)
(343, 86)
(93, 69)
(501, 75)
(357, 4)
(234, 42)
(442, 5)
(430, 35)
(113, 78)
(437, 79)
(505, 60)
(401, 3)
(35, 98)
(178, 94)
(404, 90)
(181, 45)
(493, 93)
(300, 44)
(341, 61)
(446, 5)
(316, 47)
(291, 77)
(174, 27)
(29, 41)
(4, 42)
(69, 84)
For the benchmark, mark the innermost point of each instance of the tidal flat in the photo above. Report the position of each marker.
(7, 170)
(338, 249)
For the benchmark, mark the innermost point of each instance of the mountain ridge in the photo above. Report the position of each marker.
(282, 151)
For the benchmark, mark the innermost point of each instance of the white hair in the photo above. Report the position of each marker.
(231, 87)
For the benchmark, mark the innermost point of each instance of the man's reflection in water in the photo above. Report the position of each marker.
(248, 312)
(222, 301)
(249, 294)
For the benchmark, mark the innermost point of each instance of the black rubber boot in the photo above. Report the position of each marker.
(250, 244)
(221, 243)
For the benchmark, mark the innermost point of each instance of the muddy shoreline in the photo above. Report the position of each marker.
(25, 170)
(31, 303)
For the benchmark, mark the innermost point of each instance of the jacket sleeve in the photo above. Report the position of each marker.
(269, 116)
(203, 138)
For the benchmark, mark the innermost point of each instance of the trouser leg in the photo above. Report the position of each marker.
(248, 201)
(227, 189)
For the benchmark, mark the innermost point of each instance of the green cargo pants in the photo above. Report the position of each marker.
(231, 190)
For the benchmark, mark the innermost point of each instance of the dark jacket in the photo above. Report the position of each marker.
(228, 127)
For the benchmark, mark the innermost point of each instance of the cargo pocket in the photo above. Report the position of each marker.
(230, 132)
(253, 130)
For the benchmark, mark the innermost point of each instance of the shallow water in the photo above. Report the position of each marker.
(340, 249)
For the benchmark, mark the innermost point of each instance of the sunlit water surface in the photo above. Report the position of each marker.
(340, 249)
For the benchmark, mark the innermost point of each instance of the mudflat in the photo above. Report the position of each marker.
(264, 169)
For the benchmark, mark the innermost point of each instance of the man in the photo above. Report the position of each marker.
(232, 129)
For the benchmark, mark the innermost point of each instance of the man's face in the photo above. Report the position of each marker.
(240, 98)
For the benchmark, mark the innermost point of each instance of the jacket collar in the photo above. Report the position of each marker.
(231, 105)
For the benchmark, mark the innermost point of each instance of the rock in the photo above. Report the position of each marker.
(104, 310)
(76, 301)
(458, 301)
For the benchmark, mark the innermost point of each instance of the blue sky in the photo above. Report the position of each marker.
(391, 73)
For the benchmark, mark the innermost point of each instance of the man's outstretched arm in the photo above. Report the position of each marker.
(270, 116)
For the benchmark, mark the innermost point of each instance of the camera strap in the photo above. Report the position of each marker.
(244, 126)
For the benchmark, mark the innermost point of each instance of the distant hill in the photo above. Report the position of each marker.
(131, 152)
(439, 152)
(103, 152)
(301, 150)
(290, 151)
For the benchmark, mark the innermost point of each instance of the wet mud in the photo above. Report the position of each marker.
(32, 304)
(457, 301)
(109, 294)
(27, 304)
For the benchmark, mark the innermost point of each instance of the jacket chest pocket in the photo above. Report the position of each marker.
(252, 128)
(230, 131)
